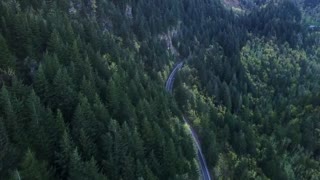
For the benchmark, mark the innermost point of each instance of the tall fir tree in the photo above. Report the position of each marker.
(33, 169)
(6, 59)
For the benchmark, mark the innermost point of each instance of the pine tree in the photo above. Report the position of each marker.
(239, 142)
(36, 132)
(101, 112)
(88, 89)
(60, 124)
(51, 134)
(76, 167)
(41, 85)
(169, 158)
(113, 96)
(55, 43)
(79, 64)
(149, 174)
(146, 132)
(226, 96)
(309, 134)
(36, 39)
(62, 94)
(194, 169)
(4, 147)
(10, 117)
(106, 154)
(87, 120)
(19, 91)
(137, 145)
(21, 37)
(78, 122)
(80, 170)
(33, 169)
(88, 148)
(6, 59)
(128, 167)
(211, 150)
(139, 170)
(155, 165)
(63, 155)
(92, 171)
(50, 66)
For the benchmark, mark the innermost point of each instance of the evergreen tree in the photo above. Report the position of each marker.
(4, 149)
(170, 156)
(50, 66)
(60, 124)
(113, 96)
(88, 148)
(149, 174)
(41, 84)
(6, 59)
(38, 139)
(55, 43)
(33, 169)
(63, 155)
(10, 118)
(226, 96)
(62, 93)
(81, 80)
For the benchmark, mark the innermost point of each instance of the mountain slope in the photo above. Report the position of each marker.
(82, 92)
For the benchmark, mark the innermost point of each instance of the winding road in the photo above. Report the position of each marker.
(202, 162)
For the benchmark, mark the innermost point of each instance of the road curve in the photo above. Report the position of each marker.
(170, 81)
(202, 162)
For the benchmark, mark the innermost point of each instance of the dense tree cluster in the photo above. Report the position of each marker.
(281, 20)
(253, 105)
(82, 92)
(81, 99)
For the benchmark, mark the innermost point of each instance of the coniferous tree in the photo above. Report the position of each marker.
(10, 118)
(36, 133)
(6, 59)
(50, 66)
(63, 155)
(55, 43)
(88, 148)
(226, 96)
(41, 85)
(62, 94)
(4, 150)
(170, 156)
(82, 80)
(31, 168)
(113, 97)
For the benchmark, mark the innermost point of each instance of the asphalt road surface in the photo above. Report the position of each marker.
(202, 161)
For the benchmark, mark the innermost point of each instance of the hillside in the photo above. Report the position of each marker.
(137, 89)
(309, 8)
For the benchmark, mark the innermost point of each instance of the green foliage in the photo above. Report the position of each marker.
(270, 20)
(6, 150)
(82, 90)
(273, 69)
(83, 170)
(68, 97)
(6, 59)
(31, 168)
(256, 94)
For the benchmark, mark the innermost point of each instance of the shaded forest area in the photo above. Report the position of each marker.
(82, 92)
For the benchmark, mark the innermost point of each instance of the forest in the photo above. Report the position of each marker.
(82, 92)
